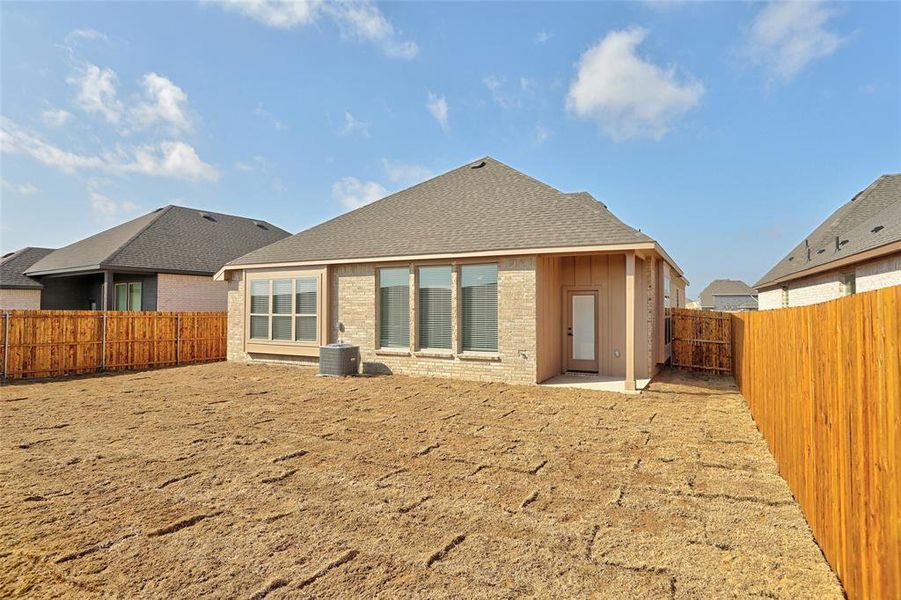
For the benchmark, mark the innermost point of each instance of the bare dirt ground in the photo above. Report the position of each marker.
(249, 481)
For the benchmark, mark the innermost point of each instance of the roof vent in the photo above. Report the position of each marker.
(478, 166)
(842, 243)
(877, 229)
(7, 255)
(791, 258)
(821, 250)
(208, 217)
(261, 225)
(159, 209)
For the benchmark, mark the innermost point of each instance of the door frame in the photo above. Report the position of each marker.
(566, 313)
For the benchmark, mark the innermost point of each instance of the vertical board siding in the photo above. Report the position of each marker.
(702, 339)
(823, 383)
(49, 343)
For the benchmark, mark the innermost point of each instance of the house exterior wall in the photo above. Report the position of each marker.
(82, 292)
(353, 302)
(822, 287)
(148, 290)
(236, 317)
(11, 299)
(190, 293)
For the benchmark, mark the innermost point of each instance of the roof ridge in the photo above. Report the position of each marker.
(158, 213)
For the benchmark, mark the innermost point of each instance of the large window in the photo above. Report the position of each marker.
(128, 296)
(435, 308)
(394, 308)
(283, 309)
(478, 284)
(667, 312)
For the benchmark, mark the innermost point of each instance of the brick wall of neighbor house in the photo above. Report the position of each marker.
(20, 299)
(881, 273)
(353, 304)
(190, 292)
(769, 299)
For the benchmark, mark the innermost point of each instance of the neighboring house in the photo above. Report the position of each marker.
(729, 295)
(692, 304)
(479, 273)
(858, 248)
(17, 290)
(163, 260)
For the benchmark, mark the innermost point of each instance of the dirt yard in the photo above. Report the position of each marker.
(249, 481)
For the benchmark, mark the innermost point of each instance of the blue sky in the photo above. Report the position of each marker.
(724, 130)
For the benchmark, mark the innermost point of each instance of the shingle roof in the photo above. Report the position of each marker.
(726, 287)
(169, 239)
(869, 220)
(14, 265)
(480, 206)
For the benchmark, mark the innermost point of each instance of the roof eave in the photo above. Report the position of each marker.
(877, 252)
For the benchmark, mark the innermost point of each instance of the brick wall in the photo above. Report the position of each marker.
(769, 299)
(20, 299)
(881, 273)
(190, 292)
(353, 304)
(235, 287)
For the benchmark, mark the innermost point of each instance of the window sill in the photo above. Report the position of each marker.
(485, 356)
(392, 352)
(434, 354)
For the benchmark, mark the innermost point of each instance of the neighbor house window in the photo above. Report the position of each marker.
(478, 284)
(667, 311)
(284, 309)
(128, 296)
(435, 307)
(849, 283)
(394, 308)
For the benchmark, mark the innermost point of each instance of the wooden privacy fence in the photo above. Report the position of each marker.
(823, 383)
(702, 339)
(45, 343)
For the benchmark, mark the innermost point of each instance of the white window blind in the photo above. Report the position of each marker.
(394, 308)
(259, 309)
(305, 304)
(435, 307)
(479, 297)
(281, 310)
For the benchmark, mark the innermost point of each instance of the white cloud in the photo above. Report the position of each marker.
(509, 96)
(96, 91)
(359, 20)
(785, 37)
(542, 134)
(352, 193)
(55, 117)
(405, 174)
(85, 34)
(107, 208)
(23, 189)
(175, 160)
(164, 102)
(542, 37)
(627, 95)
(255, 163)
(261, 111)
(437, 106)
(353, 125)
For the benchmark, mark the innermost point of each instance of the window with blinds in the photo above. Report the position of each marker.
(478, 285)
(394, 308)
(284, 309)
(434, 308)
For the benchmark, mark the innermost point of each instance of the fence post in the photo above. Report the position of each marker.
(5, 344)
(177, 338)
(103, 343)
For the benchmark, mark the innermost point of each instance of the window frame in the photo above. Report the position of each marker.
(454, 309)
(129, 287)
(412, 288)
(459, 314)
(304, 347)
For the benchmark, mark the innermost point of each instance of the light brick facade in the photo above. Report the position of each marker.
(823, 287)
(20, 299)
(190, 293)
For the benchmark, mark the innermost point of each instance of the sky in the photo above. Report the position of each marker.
(726, 131)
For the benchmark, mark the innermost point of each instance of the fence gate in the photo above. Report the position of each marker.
(702, 339)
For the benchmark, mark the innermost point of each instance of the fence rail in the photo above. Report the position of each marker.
(823, 383)
(46, 343)
(702, 339)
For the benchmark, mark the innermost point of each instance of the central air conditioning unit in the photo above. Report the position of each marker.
(339, 360)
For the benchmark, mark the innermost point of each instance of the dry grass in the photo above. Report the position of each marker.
(252, 481)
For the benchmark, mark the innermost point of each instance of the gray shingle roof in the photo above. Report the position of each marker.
(14, 265)
(726, 287)
(468, 209)
(170, 239)
(853, 228)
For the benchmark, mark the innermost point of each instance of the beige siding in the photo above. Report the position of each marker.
(190, 293)
(20, 299)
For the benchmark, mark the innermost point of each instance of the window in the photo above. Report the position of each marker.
(667, 311)
(284, 309)
(849, 283)
(394, 308)
(435, 307)
(128, 296)
(784, 296)
(478, 284)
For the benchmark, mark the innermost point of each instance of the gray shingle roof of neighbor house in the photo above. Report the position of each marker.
(14, 265)
(869, 220)
(169, 239)
(481, 206)
(726, 287)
